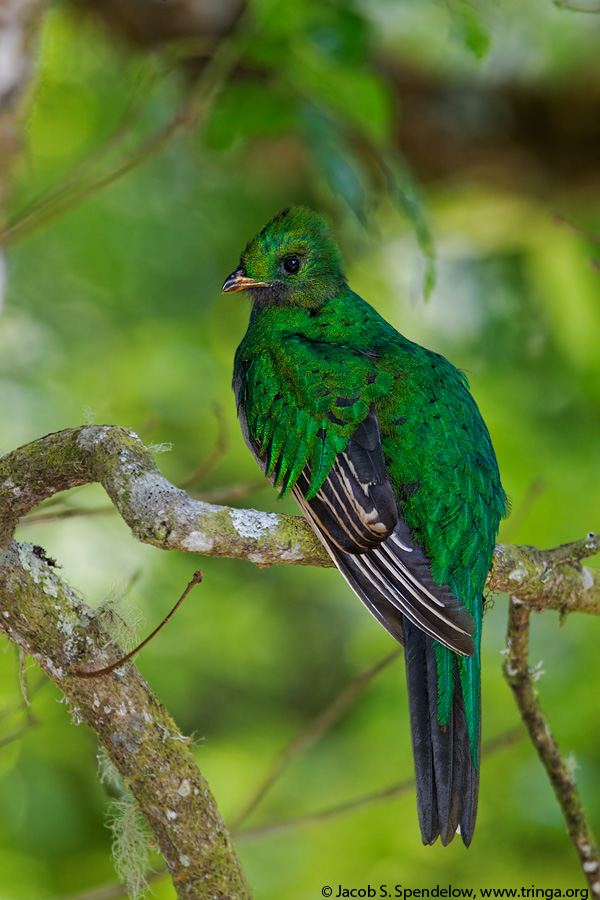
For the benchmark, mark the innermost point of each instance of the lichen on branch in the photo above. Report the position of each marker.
(520, 678)
(44, 617)
(161, 514)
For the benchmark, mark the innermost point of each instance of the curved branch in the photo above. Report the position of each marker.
(161, 514)
(157, 512)
(520, 678)
(47, 620)
(549, 579)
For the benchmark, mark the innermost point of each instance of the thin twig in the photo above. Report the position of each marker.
(21, 706)
(68, 194)
(205, 467)
(571, 226)
(78, 172)
(67, 512)
(314, 730)
(96, 673)
(518, 515)
(317, 818)
(18, 733)
(22, 681)
(519, 677)
(576, 229)
(227, 493)
(563, 4)
(114, 891)
(395, 790)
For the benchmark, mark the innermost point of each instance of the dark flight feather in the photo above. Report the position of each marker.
(356, 516)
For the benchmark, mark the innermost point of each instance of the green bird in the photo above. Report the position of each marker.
(384, 448)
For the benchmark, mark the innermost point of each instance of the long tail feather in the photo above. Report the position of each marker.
(447, 779)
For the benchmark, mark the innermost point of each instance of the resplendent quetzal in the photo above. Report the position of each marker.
(385, 450)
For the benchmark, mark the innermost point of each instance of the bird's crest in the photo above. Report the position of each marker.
(296, 232)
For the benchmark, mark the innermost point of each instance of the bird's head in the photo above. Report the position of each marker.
(293, 261)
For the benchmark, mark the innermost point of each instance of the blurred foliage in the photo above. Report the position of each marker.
(113, 312)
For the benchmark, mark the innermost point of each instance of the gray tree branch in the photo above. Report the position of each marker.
(520, 678)
(161, 514)
(49, 621)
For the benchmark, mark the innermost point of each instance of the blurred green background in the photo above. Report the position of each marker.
(462, 132)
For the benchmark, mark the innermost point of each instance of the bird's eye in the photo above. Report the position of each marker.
(291, 264)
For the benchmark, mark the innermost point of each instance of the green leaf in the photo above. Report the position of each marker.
(334, 158)
(281, 18)
(475, 35)
(327, 25)
(322, 48)
(249, 110)
(358, 94)
(341, 35)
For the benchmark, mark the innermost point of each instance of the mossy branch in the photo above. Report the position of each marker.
(161, 514)
(157, 512)
(50, 622)
(520, 678)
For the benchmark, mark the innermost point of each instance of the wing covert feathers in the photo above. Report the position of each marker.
(355, 506)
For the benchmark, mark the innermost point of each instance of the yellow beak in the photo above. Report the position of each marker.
(239, 281)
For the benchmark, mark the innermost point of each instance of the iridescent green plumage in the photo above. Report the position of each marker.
(385, 450)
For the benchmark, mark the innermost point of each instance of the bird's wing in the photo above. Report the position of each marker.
(355, 506)
(331, 443)
(327, 450)
(393, 576)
